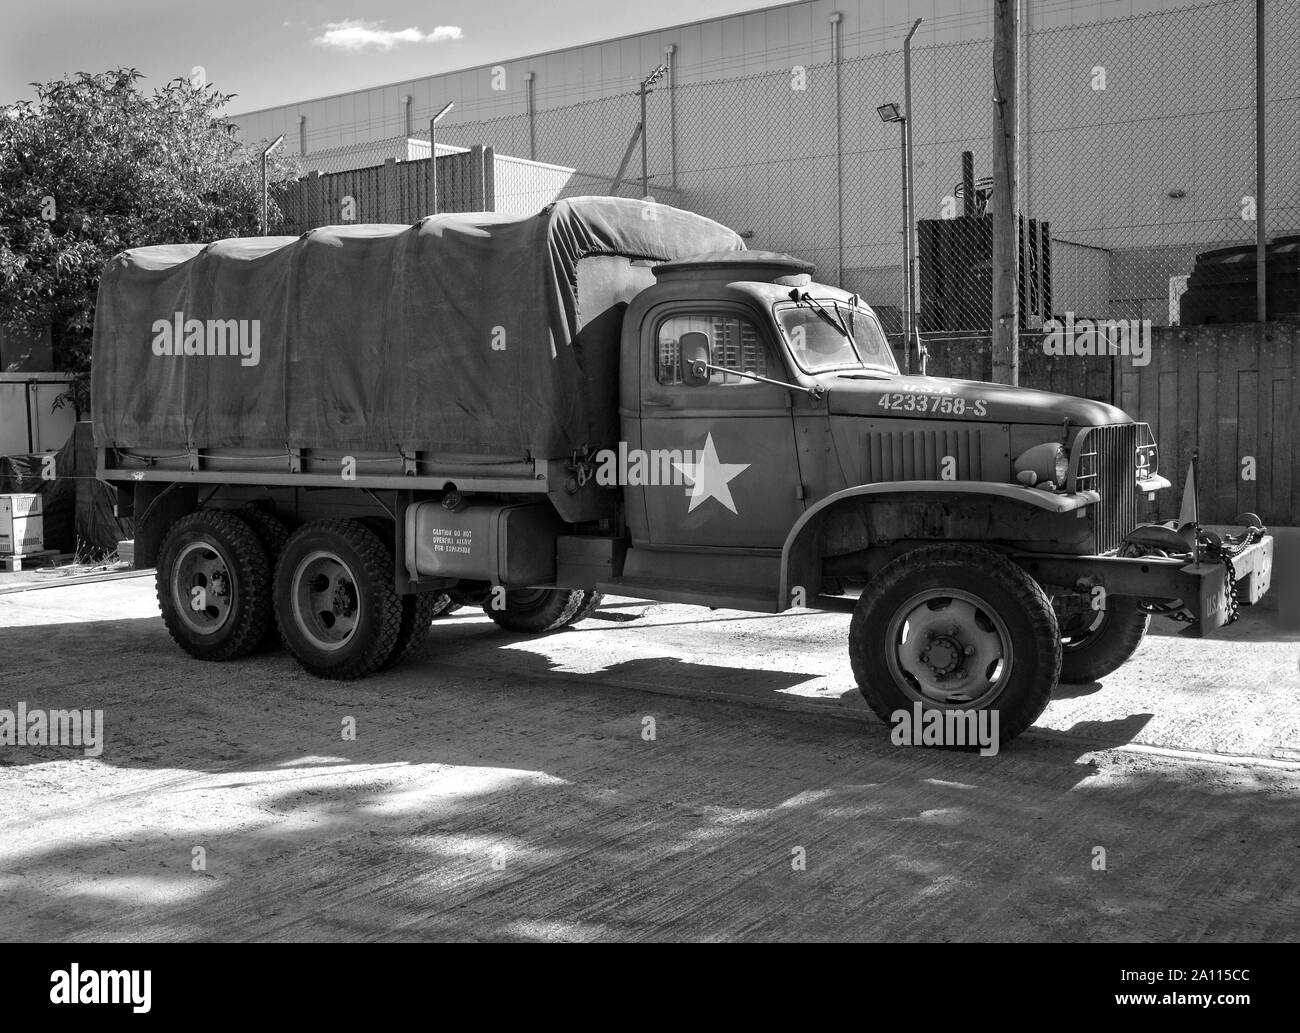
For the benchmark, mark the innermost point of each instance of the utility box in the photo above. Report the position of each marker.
(21, 530)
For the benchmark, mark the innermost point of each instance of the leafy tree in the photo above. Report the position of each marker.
(95, 166)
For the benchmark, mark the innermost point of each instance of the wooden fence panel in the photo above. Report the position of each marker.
(1228, 392)
(394, 192)
(971, 358)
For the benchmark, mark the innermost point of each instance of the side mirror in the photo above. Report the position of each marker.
(694, 346)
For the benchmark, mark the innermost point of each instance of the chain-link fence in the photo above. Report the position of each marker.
(1137, 153)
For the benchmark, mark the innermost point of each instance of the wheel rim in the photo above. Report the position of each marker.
(326, 604)
(203, 587)
(949, 648)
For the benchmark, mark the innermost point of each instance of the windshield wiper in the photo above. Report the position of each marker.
(820, 309)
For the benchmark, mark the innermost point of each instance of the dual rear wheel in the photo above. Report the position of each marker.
(233, 582)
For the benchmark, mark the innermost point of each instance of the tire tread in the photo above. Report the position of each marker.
(253, 576)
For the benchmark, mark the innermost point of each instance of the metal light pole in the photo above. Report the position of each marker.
(265, 203)
(891, 113)
(433, 156)
(909, 205)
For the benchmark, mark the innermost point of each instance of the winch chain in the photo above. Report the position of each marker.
(1224, 550)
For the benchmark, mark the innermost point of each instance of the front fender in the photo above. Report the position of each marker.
(800, 558)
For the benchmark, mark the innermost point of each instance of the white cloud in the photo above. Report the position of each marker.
(354, 34)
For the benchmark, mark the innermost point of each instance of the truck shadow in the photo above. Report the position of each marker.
(525, 808)
(162, 707)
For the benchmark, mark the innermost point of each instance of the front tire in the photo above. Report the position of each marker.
(335, 603)
(444, 607)
(1095, 644)
(214, 586)
(533, 611)
(590, 601)
(956, 627)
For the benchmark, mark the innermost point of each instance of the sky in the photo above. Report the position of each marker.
(271, 53)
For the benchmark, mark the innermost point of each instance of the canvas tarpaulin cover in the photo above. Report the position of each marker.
(453, 335)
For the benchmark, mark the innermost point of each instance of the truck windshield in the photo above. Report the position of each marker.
(849, 339)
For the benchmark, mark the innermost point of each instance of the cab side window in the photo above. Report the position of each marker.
(733, 343)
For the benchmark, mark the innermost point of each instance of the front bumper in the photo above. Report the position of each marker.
(1196, 591)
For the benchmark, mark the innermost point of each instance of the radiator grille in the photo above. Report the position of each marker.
(1107, 465)
(918, 455)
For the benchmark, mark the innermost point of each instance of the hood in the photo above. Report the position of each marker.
(917, 397)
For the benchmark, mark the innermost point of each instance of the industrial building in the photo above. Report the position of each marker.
(1137, 143)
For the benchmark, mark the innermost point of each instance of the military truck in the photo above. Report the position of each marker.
(327, 440)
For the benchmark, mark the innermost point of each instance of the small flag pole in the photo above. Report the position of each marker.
(1189, 512)
(1196, 507)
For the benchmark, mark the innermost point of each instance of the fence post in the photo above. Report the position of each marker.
(839, 151)
(532, 117)
(1261, 239)
(433, 156)
(670, 59)
(313, 204)
(1006, 358)
(266, 153)
(476, 183)
(387, 175)
(433, 167)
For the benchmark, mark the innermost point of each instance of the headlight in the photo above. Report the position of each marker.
(1048, 462)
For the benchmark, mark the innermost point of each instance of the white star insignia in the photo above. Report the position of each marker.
(709, 478)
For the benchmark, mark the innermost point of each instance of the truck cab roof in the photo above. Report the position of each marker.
(761, 266)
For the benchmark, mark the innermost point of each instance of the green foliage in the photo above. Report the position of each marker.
(95, 166)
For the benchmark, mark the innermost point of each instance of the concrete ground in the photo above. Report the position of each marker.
(502, 787)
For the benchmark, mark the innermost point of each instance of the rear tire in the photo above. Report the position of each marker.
(418, 612)
(273, 533)
(214, 586)
(956, 627)
(1104, 640)
(335, 603)
(534, 611)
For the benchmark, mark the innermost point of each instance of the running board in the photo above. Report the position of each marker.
(666, 590)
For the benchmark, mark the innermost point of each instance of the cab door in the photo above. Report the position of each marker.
(727, 447)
